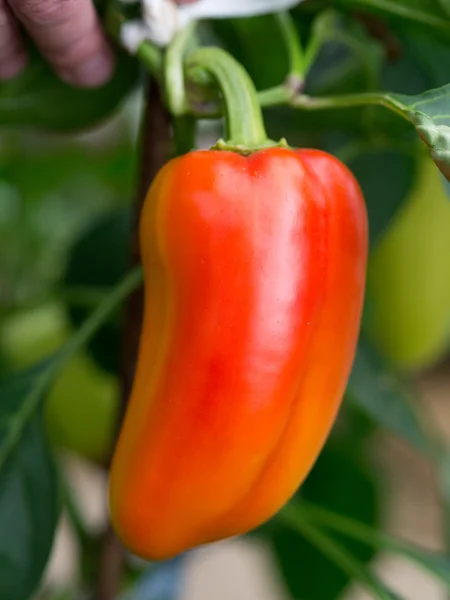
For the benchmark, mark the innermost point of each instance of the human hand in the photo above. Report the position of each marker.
(68, 34)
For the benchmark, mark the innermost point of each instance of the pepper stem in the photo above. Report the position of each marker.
(243, 115)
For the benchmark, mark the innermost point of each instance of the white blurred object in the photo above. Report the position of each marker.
(161, 21)
(163, 18)
(220, 9)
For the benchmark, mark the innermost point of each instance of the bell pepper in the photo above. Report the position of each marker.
(408, 277)
(254, 277)
(254, 268)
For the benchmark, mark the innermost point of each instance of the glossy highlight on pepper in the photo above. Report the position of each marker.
(254, 280)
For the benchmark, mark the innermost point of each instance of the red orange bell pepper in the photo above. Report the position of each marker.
(254, 278)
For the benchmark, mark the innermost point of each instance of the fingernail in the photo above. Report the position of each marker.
(93, 73)
(13, 66)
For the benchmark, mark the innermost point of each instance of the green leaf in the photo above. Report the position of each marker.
(434, 104)
(428, 112)
(38, 98)
(398, 170)
(108, 240)
(380, 394)
(429, 13)
(29, 489)
(436, 137)
(340, 481)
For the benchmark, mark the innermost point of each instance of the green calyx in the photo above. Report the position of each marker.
(245, 149)
(244, 123)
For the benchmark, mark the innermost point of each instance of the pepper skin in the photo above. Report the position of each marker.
(254, 280)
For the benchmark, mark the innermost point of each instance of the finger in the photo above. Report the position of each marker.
(12, 53)
(68, 33)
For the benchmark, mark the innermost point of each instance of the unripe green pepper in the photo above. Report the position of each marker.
(409, 277)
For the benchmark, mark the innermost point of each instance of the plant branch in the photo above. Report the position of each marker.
(279, 96)
(155, 150)
(283, 95)
(155, 146)
(348, 101)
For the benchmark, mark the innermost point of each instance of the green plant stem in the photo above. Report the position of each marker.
(371, 537)
(297, 521)
(305, 102)
(184, 125)
(174, 70)
(313, 49)
(352, 528)
(151, 57)
(99, 316)
(294, 49)
(243, 116)
(184, 132)
(87, 296)
(276, 96)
